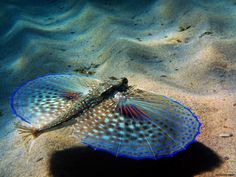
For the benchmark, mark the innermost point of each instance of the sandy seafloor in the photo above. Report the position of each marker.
(184, 49)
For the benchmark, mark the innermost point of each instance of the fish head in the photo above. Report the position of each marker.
(120, 84)
(113, 85)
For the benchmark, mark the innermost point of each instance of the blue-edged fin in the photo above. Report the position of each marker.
(144, 125)
(41, 101)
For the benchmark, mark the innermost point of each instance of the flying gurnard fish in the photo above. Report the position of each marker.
(109, 115)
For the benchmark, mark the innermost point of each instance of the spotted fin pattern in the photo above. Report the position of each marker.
(40, 101)
(141, 125)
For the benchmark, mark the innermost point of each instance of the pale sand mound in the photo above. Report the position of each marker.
(182, 49)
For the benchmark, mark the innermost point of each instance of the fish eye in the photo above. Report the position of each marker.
(125, 80)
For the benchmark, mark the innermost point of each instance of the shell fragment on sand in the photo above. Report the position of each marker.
(226, 135)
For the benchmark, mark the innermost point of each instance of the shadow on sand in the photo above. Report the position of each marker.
(84, 161)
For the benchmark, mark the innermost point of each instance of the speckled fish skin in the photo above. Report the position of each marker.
(94, 97)
(138, 124)
(45, 119)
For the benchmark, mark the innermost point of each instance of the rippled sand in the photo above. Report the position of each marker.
(183, 49)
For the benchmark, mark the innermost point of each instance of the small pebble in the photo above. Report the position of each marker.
(178, 40)
(206, 33)
(181, 28)
(139, 39)
(76, 70)
(39, 159)
(234, 104)
(226, 135)
(226, 158)
(163, 76)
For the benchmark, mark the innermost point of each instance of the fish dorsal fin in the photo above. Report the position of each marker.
(42, 100)
(138, 125)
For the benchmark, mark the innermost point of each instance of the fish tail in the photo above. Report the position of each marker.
(28, 135)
